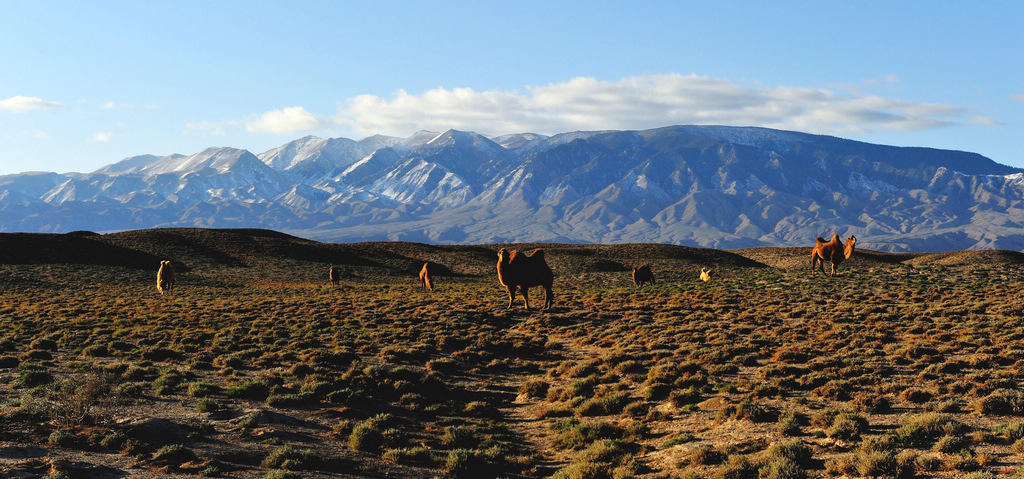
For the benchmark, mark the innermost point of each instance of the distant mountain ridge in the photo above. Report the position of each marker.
(708, 186)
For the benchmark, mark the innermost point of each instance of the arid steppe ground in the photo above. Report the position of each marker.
(256, 367)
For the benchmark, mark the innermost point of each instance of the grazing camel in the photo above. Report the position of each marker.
(705, 275)
(520, 271)
(427, 277)
(643, 275)
(165, 277)
(334, 275)
(834, 251)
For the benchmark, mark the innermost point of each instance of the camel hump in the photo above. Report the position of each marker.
(537, 253)
(821, 240)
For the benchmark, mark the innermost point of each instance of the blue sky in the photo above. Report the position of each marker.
(85, 84)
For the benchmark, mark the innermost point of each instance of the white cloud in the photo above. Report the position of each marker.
(38, 134)
(22, 104)
(102, 137)
(1017, 97)
(285, 121)
(636, 103)
(986, 121)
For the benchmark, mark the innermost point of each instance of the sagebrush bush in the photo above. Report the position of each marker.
(706, 455)
(366, 437)
(293, 459)
(534, 388)
(174, 454)
(412, 456)
(465, 463)
(782, 469)
(794, 451)
(249, 389)
(924, 428)
(1002, 402)
(847, 425)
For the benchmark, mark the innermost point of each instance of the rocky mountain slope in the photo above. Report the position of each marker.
(708, 186)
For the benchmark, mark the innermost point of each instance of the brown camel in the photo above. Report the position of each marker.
(165, 277)
(427, 277)
(834, 251)
(643, 275)
(334, 275)
(520, 271)
(705, 275)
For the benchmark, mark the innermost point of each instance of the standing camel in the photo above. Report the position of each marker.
(165, 277)
(521, 271)
(427, 277)
(834, 251)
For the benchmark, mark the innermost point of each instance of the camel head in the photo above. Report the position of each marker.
(850, 242)
(503, 256)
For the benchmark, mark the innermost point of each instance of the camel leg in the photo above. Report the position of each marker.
(511, 295)
(526, 297)
(549, 297)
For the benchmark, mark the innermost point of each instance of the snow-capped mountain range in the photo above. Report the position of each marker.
(710, 186)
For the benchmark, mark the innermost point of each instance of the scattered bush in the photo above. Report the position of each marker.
(706, 455)
(174, 454)
(1002, 402)
(366, 437)
(293, 459)
(250, 389)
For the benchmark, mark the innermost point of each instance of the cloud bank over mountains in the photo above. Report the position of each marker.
(637, 102)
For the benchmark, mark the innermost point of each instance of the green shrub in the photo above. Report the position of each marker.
(114, 441)
(293, 459)
(96, 351)
(706, 455)
(465, 463)
(250, 389)
(31, 375)
(585, 470)
(458, 437)
(207, 405)
(782, 469)
(415, 456)
(288, 400)
(603, 406)
(61, 438)
(877, 464)
(574, 435)
(201, 389)
(847, 426)
(534, 388)
(794, 451)
(1011, 431)
(282, 475)
(43, 344)
(749, 410)
(790, 424)
(481, 409)
(952, 444)
(738, 467)
(1002, 402)
(168, 383)
(922, 429)
(366, 437)
(174, 454)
